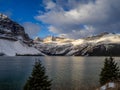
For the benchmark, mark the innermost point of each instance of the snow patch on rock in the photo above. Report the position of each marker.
(11, 48)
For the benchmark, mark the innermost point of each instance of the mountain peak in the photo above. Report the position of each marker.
(9, 28)
(96, 36)
(3, 16)
(38, 39)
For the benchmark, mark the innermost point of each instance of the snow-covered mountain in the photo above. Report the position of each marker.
(13, 48)
(11, 29)
(52, 39)
(104, 44)
(14, 40)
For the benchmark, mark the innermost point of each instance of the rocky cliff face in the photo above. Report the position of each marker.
(12, 29)
(13, 39)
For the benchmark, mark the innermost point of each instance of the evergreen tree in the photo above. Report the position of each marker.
(110, 71)
(38, 80)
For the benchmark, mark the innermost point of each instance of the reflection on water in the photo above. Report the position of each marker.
(66, 72)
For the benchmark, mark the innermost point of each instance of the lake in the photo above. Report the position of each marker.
(67, 73)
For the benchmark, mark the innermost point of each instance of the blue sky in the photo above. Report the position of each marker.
(23, 11)
(66, 18)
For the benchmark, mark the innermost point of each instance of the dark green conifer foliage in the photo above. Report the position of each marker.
(110, 71)
(38, 80)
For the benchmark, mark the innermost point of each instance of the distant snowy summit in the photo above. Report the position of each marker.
(13, 39)
(104, 44)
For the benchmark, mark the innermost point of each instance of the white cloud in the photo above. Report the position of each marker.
(50, 5)
(53, 29)
(89, 18)
(32, 29)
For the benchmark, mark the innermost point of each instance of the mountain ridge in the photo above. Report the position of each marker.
(104, 44)
(13, 39)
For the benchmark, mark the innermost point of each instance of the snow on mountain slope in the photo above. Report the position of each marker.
(106, 39)
(12, 48)
(2, 16)
(14, 40)
(52, 39)
(10, 28)
(110, 38)
(107, 42)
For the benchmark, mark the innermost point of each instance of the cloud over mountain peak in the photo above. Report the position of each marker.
(79, 18)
